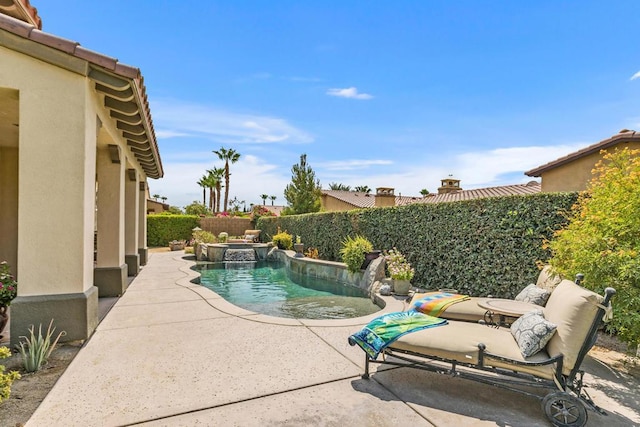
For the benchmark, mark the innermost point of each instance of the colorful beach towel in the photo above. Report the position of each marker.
(435, 303)
(384, 330)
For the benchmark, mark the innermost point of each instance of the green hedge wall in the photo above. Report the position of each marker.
(161, 229)
(481, 247)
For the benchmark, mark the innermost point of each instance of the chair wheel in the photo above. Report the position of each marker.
(564, 410)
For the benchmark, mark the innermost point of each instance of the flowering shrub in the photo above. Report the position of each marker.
(398, 266)
(8, 285)
(6, 379)
(259, 211)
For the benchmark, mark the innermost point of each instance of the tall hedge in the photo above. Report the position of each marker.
(486, 246)
(162, 229)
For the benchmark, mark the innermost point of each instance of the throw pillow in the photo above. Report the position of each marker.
(533, 295)
(532, 332)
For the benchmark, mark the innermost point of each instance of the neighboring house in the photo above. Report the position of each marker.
(339, 200)
(276, 210)
(449, 191)
(77, 146)
(532, 187)
(155, 207)
(573, 171)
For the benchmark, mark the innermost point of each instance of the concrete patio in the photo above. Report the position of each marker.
(173, 353)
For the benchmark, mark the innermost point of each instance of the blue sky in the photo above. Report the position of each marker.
(385, 94)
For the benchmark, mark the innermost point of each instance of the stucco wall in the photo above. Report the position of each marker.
(331, 204)
(9, 206)
(575, 176)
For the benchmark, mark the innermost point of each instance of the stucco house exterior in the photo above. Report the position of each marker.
(77, 146)
(573, 171)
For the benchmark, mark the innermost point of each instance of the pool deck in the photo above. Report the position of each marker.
(173, 353)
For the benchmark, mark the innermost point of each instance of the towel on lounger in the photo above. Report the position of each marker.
(384, 330)
(435, 303)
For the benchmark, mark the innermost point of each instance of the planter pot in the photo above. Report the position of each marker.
(299, 247)
(401, 287)
(178, 246)
(368, 257)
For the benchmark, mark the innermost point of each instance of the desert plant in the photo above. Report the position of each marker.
(202, 236)
(353, 251)
(36, 349)
(283, 240)
(6, 379)
(312, 253)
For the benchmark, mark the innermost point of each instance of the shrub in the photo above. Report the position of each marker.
(196, 208)
(202, 236)
(36, 349)
(283, 240)
(353, 251)
(162, 229)
(6, 380)
(602, 239)
(8, 285)
(398, 266)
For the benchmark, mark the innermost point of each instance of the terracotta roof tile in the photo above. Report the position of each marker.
(623, 136)
(354, 198)
(22, 29)
(532, 187)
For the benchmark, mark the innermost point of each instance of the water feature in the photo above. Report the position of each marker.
(270, 288)
(239, 255)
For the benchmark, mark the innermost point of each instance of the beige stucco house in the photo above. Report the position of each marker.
(573, 171)
(77, 146)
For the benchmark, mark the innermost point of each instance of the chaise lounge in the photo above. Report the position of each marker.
(542, 349)
(473, 309)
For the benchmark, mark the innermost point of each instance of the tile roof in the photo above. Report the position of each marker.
(624, 135)
(532, 187)
(122, 85)
(22, 10)
(355, 198)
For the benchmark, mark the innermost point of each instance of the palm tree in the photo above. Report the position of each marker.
(163, 198)
(424, 192)
(273, 198)
(203, 183)
(228, 155)
(340, 187)
(362, 189)
(218, 173)
(156, 197)
(210, 183)
(264, 198)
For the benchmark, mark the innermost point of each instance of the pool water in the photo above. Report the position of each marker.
(270, 288)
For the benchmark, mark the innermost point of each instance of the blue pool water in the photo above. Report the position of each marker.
(270, 288)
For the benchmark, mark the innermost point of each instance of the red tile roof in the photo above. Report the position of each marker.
(354, 198)
(532, 187)
(22, 10)
(101, 67)
(624, 135)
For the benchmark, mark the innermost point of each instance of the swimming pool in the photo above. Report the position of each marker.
(270, 288)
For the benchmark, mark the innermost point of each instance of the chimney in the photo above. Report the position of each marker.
(385, 197)
(449, 185)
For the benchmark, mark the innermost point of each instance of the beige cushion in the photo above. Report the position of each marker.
(459, 341)
(573, 309)
(254, 233)
(548, 280)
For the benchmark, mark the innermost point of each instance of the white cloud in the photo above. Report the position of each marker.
(175, 118)
(635, 76)
(350, 92)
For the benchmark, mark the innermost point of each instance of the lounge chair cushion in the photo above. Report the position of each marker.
(574, 310)
(532, 332)
(534, 295)
(459, 341)
(547, 279)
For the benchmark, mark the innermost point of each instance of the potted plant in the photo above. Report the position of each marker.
(8, 291)
(283, 240)
(299, 247)
(353, 251)
(400, 271)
